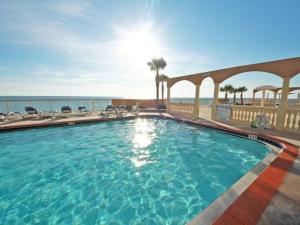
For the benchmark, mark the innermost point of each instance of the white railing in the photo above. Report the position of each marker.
(292, 120)
(181, 108)
(55, 104)
(267, 102)
(246, 114)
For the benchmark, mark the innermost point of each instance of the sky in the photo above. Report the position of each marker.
(101, 48)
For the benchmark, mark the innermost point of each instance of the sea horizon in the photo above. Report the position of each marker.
(54, 103)
(45, 97)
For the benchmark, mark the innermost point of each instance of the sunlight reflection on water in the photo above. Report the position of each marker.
(143, 137)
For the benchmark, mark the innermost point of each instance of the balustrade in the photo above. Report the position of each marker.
(186, 108)
(292, 120)
(247, 114)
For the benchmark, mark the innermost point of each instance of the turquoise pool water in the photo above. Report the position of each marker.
(142, 171)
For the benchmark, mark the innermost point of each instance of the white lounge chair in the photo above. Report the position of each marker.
(83, 111)
(135, 109)
(109, 111)
(262, 121)
(66, 111)
(46, 114)
(13, 116)
(2, 117)
(53, 114)
(121, 110)
(32, 113)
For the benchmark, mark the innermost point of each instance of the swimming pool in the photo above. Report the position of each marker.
(140, 171)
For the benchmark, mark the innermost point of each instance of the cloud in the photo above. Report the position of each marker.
(69, 8)
(34, 25)
(44, 72)
(92, 60)
(150, 6)
(71, 76)
(182, 63)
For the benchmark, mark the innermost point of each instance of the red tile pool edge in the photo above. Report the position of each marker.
(248, 208)
(250, 205)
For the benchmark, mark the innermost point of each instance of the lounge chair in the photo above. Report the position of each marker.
(109, 110)
(135, 108)
(12, 116)
(66, 111)
(83, 110)
(53, 114)
(122, 110)
(161, 107)
(262, 121)
(32, 113)
(31, 110)
(2, 116)
(46, 114)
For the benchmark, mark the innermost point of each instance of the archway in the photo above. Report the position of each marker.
(260, 73)
(251, 80)
(206, 97)
(294, 96)
(182, 92)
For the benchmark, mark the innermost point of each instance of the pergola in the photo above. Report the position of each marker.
(273, 89)
(285, 68)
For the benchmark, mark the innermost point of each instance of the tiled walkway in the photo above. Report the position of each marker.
(285, 206)
(276, 201)
(250, 206)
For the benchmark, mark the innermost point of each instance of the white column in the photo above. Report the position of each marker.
(168, 98)
(196, 102)
(283, 104)
(285, 92)
(215, 101)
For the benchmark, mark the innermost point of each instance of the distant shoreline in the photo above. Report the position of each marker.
(35, 97)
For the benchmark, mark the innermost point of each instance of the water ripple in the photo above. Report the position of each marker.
(144, 171)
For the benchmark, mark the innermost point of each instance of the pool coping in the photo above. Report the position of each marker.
(236, 205)
(245, 201)
(69, 122)
(218, 207)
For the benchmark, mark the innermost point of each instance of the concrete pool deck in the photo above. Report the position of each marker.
(284, 207)
(274, 196)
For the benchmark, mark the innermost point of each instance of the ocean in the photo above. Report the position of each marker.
(54, 103)
(51, 103)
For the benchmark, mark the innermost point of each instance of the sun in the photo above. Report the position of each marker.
(139, 45)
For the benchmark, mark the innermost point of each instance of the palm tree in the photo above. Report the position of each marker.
(162, 79)
(242, 90)
(156, 65)
(234, 91)
(228, 88)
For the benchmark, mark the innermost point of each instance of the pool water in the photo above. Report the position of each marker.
(141, 171)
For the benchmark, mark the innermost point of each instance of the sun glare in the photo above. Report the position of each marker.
(139, 45)
(143, 137)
